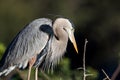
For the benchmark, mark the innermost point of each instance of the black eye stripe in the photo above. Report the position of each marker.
(46, 28)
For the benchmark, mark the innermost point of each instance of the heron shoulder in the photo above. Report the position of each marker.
(41, 21)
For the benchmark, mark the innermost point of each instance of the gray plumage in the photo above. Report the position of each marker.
(28, 43)
(41, 39)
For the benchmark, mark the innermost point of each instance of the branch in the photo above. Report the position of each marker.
(84, 68)
(107, 77)
(115, 74)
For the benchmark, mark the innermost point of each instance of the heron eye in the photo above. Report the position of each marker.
(64, 29)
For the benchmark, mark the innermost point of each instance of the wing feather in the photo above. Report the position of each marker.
(28, 43)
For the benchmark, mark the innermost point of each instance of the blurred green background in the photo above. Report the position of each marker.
(96, 20)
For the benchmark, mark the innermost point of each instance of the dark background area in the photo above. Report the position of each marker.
(96, 20)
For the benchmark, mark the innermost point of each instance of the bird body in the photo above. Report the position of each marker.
(25, 45)
(40, 43)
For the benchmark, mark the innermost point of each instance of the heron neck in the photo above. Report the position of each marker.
(59, 45)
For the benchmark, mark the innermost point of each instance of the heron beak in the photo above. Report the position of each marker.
(72, 39)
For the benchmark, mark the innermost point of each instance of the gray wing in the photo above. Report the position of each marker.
(28, 43)
(47, 49)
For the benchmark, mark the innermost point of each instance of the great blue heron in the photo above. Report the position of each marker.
(40, 43)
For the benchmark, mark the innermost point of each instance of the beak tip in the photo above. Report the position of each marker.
(77, 51)
(74, 43)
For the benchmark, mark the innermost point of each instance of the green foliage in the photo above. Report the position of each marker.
(2, 49)
(63, 72)
(93, 73)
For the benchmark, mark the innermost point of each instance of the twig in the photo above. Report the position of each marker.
(107, 77)
(45, 75)
(115, 74)
(84, 68)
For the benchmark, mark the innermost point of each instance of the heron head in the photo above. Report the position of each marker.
(68, 27)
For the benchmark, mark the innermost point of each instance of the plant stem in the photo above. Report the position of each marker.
(84, 68)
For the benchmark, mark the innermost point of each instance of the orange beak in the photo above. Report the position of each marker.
(72, 39)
